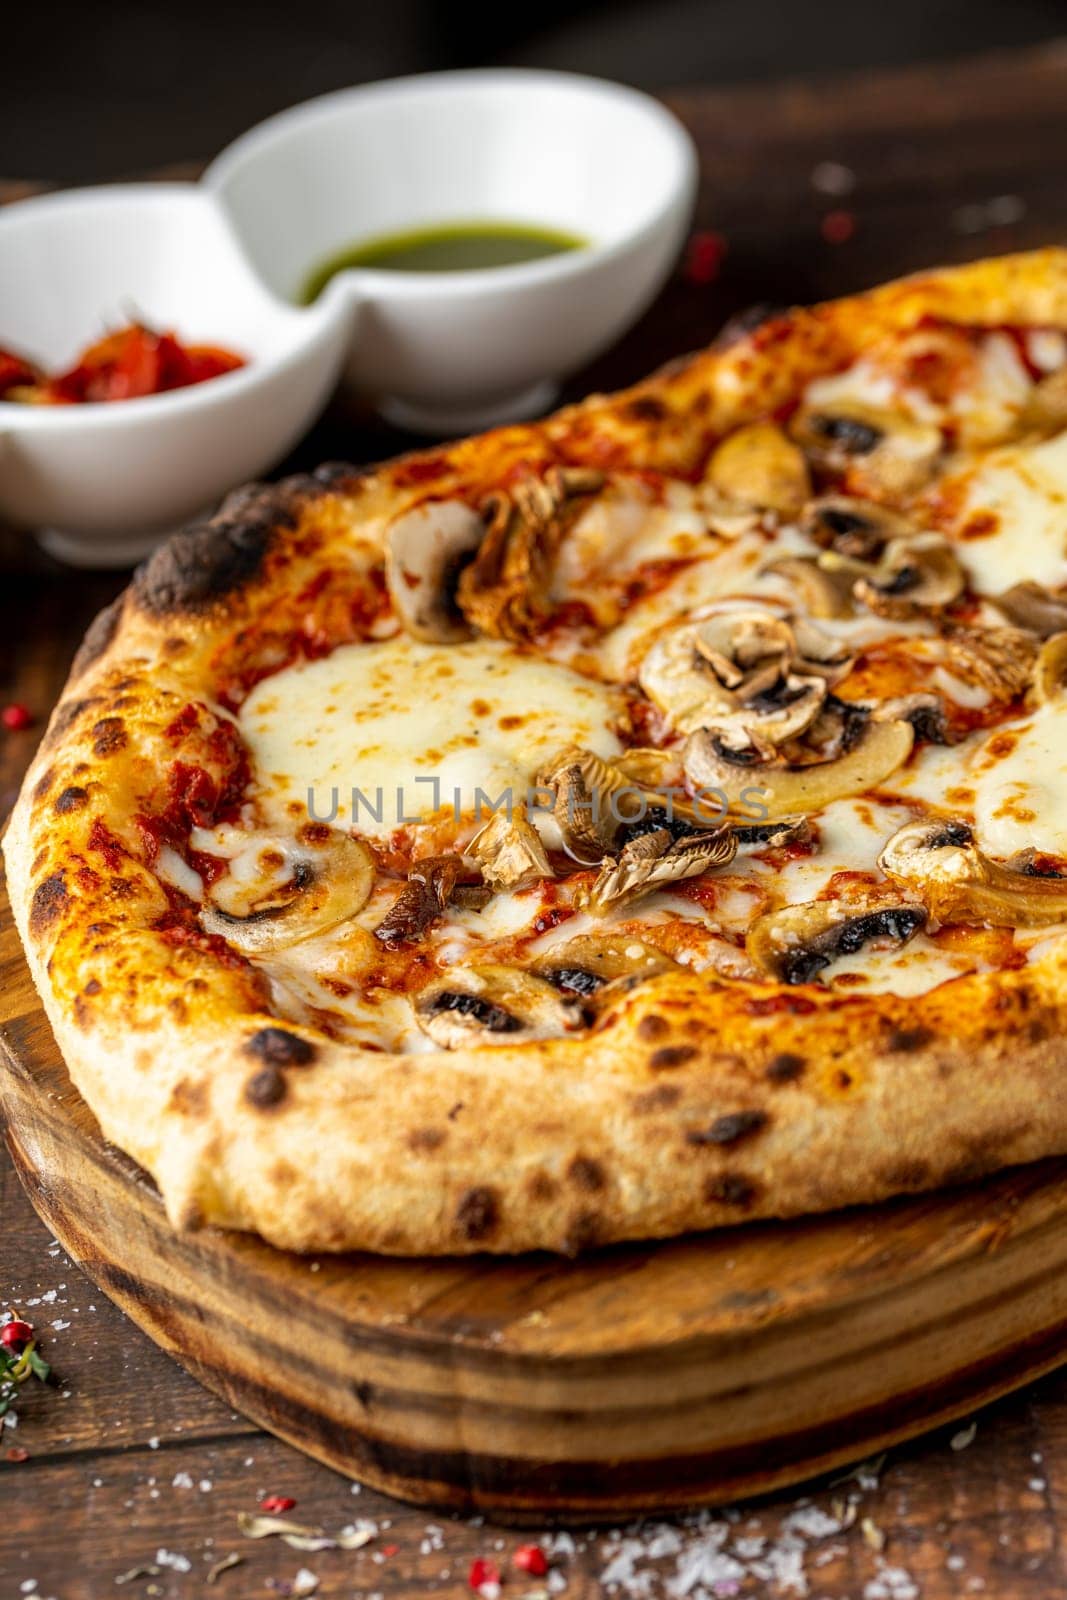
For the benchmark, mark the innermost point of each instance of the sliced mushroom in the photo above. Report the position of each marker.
(879, 749)
(797, 943)
(925, 712)
(433, 884)
(425, 551)
(1050, 669)
(326, 884)
(771, 835)
(586, 965)
(860, 529)
(758, 466)
(822, 593)
(510, 852)
(939, 860)
(914, 574)
(489, 1005)
(592, 800)
(1030, 606)
(653, 860)
(883, 451)
(1046, 409)
(1001, 660)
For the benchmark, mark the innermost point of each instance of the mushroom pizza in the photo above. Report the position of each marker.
(643, 820)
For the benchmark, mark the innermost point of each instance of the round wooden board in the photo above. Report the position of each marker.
(636, 1379)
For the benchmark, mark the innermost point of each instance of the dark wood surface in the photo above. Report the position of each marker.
(129, 1457)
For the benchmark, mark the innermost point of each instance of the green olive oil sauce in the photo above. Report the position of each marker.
(445, 247)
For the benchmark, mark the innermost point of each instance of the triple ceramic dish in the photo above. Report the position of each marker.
(223, 262)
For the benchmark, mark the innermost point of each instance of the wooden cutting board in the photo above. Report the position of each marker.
(634, 1379)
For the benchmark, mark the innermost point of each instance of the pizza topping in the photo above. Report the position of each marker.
(999, 659)
(866, 753)
(654, 859)
(796, 943)
(493, 1005)
(426, 550)
(912, 574)
(757, 466)
(586, 965)
(503, 591)
(859, 529)
(881, 452)
(939, 860)
(432, 885)
(1050, 669)
(510, 852)
(823, 593)
(1031, 606)
(258, 910)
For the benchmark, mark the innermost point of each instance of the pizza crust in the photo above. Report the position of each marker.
(691, 1104)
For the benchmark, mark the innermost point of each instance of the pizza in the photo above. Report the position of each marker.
(644, 820)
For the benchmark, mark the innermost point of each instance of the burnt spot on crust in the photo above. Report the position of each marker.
(109, 736)
(731, 1189)
(335, 474)
(729, 1129)
(42, 788)
(425, 1140)
(266, 1088)
(671, 1056)
(73, 798)
(98, 636)
(745, 323)
(67, 714)
(189, 1098)
(277, 1047)
(646, 408)
(661, 1098)
(584, 1230)
(652, 1027)
(541, 1186)
(786, 1067)
(210, 560)
(50, 899)
(478, 1215)
(586, 1174)
(904, 1040)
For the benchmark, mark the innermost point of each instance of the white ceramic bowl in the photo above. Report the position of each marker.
(446, 352)
(223, 262)
(104, 482)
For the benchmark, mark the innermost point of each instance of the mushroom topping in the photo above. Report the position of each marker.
(473, 1006)
(1030, 606)
(912, 575)
(1050, 669)
(504, 590)
(592, 800)
(856, 528)
(758, 466)
(585, 966)
(1046, 409)
(425, 552)
(822, 593)
(883, 451)
(1001, 660)
(925, 712)
(771, 835)
(939, 860)
(796, 943)
(755, 677)
(432, 884)
(324, 884)
(652, 860)
(510, 851)
(869, 751)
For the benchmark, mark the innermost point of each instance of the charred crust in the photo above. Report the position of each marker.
(425, 1140)
(73, 798)
(744, 324)
(586, 1174)
(584, 1230)
(109, 736)
(337, 475)
(210, 560)
(66, 715)
(646, 408)
(541, 1186)
(729, 1129)
(904, 1040)
(651, 1028)
(671, 1056)
(42, 788)
(50, 899)
(661, 1098)
(730, 1189)
(477, 1215)
(786, 1067)
(189, 1098)
(277, 1047)
(98, 636)
(265, 1088)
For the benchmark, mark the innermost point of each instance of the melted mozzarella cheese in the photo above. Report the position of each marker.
(1012, 518)
(378, 735)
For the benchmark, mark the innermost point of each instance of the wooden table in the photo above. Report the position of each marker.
(816, 189)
